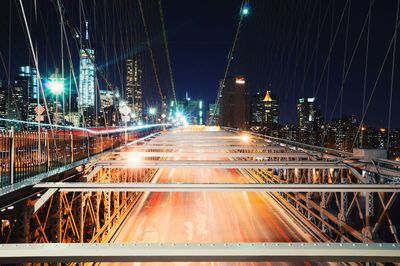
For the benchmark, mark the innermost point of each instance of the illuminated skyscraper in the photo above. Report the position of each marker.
(134, 89)
(271, 110)
(305, 112)
(86, 74)
(28, 75)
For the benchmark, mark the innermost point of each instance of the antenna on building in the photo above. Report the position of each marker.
(87, 30)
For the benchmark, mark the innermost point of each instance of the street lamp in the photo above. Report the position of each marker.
(245, 138)
(56, 87)
(152, 110)
(152, 113)
(245, 11)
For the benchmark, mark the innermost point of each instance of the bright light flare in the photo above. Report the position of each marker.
(245, 138)
(134, 159)
(56, 86)
(152, 110)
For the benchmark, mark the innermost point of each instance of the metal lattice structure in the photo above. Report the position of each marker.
(339, 198)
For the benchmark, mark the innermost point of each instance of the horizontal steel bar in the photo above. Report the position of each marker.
(219, 147)
(220, 164)
(221, 187)
(220, 154)
(228, 252)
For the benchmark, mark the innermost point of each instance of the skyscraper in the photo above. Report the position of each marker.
(257, 110)
(23, 95)
(18, 99)
(30, 72)
(86, 74)
(234, 104)
(134, 89)
(192, 110)
(305, 112)
(271, 111)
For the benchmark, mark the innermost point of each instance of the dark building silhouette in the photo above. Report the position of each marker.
(257, 110)
(234, 103)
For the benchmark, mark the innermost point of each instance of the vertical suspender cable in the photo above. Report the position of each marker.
(230, 57)
(377, 81)
(392, 78)
(150, 49)
(329, 61)
(344, 62)
(365, 72)
(9, 55)
(35, 60)
(167, 50)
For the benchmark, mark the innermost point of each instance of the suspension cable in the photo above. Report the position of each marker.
(150, 49)
(349, 67)
(35, 60)
(377, 81)
(230, 57)
(365, 72)
(392, 78)
(167, 50)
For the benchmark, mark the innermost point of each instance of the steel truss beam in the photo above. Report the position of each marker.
(216, 147)
(220, 154)
(222, 187)
(222, 164)
(317, 252)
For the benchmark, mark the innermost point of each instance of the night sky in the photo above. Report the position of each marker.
(277, 45)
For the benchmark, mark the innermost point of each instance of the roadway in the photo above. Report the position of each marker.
(207, 217)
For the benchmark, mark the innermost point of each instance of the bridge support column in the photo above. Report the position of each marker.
(343, 204)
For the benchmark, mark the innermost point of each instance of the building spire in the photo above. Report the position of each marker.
(268, 97)
(87, 31)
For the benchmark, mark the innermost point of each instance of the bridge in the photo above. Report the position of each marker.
(295, 161)
(200, 194)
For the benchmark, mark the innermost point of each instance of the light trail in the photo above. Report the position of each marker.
(95, 132)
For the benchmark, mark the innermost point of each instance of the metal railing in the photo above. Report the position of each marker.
(297, 145)
(25, 154)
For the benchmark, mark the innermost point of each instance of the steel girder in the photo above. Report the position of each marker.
(74, 217)
(189, 252)
(261, 155)
(221, 164)
(221, 187)
(333, 211)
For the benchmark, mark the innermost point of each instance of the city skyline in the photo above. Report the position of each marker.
(229, 132)
(184, 46)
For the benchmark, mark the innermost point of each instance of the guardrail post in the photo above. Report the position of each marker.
(88, 145)
(47, 145)
(11, 155)
(71, 137)
(101, 143)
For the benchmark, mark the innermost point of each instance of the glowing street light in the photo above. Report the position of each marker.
(56, 86)
(134, 159)
(245, 138)
(245, 11)
(152, 110)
